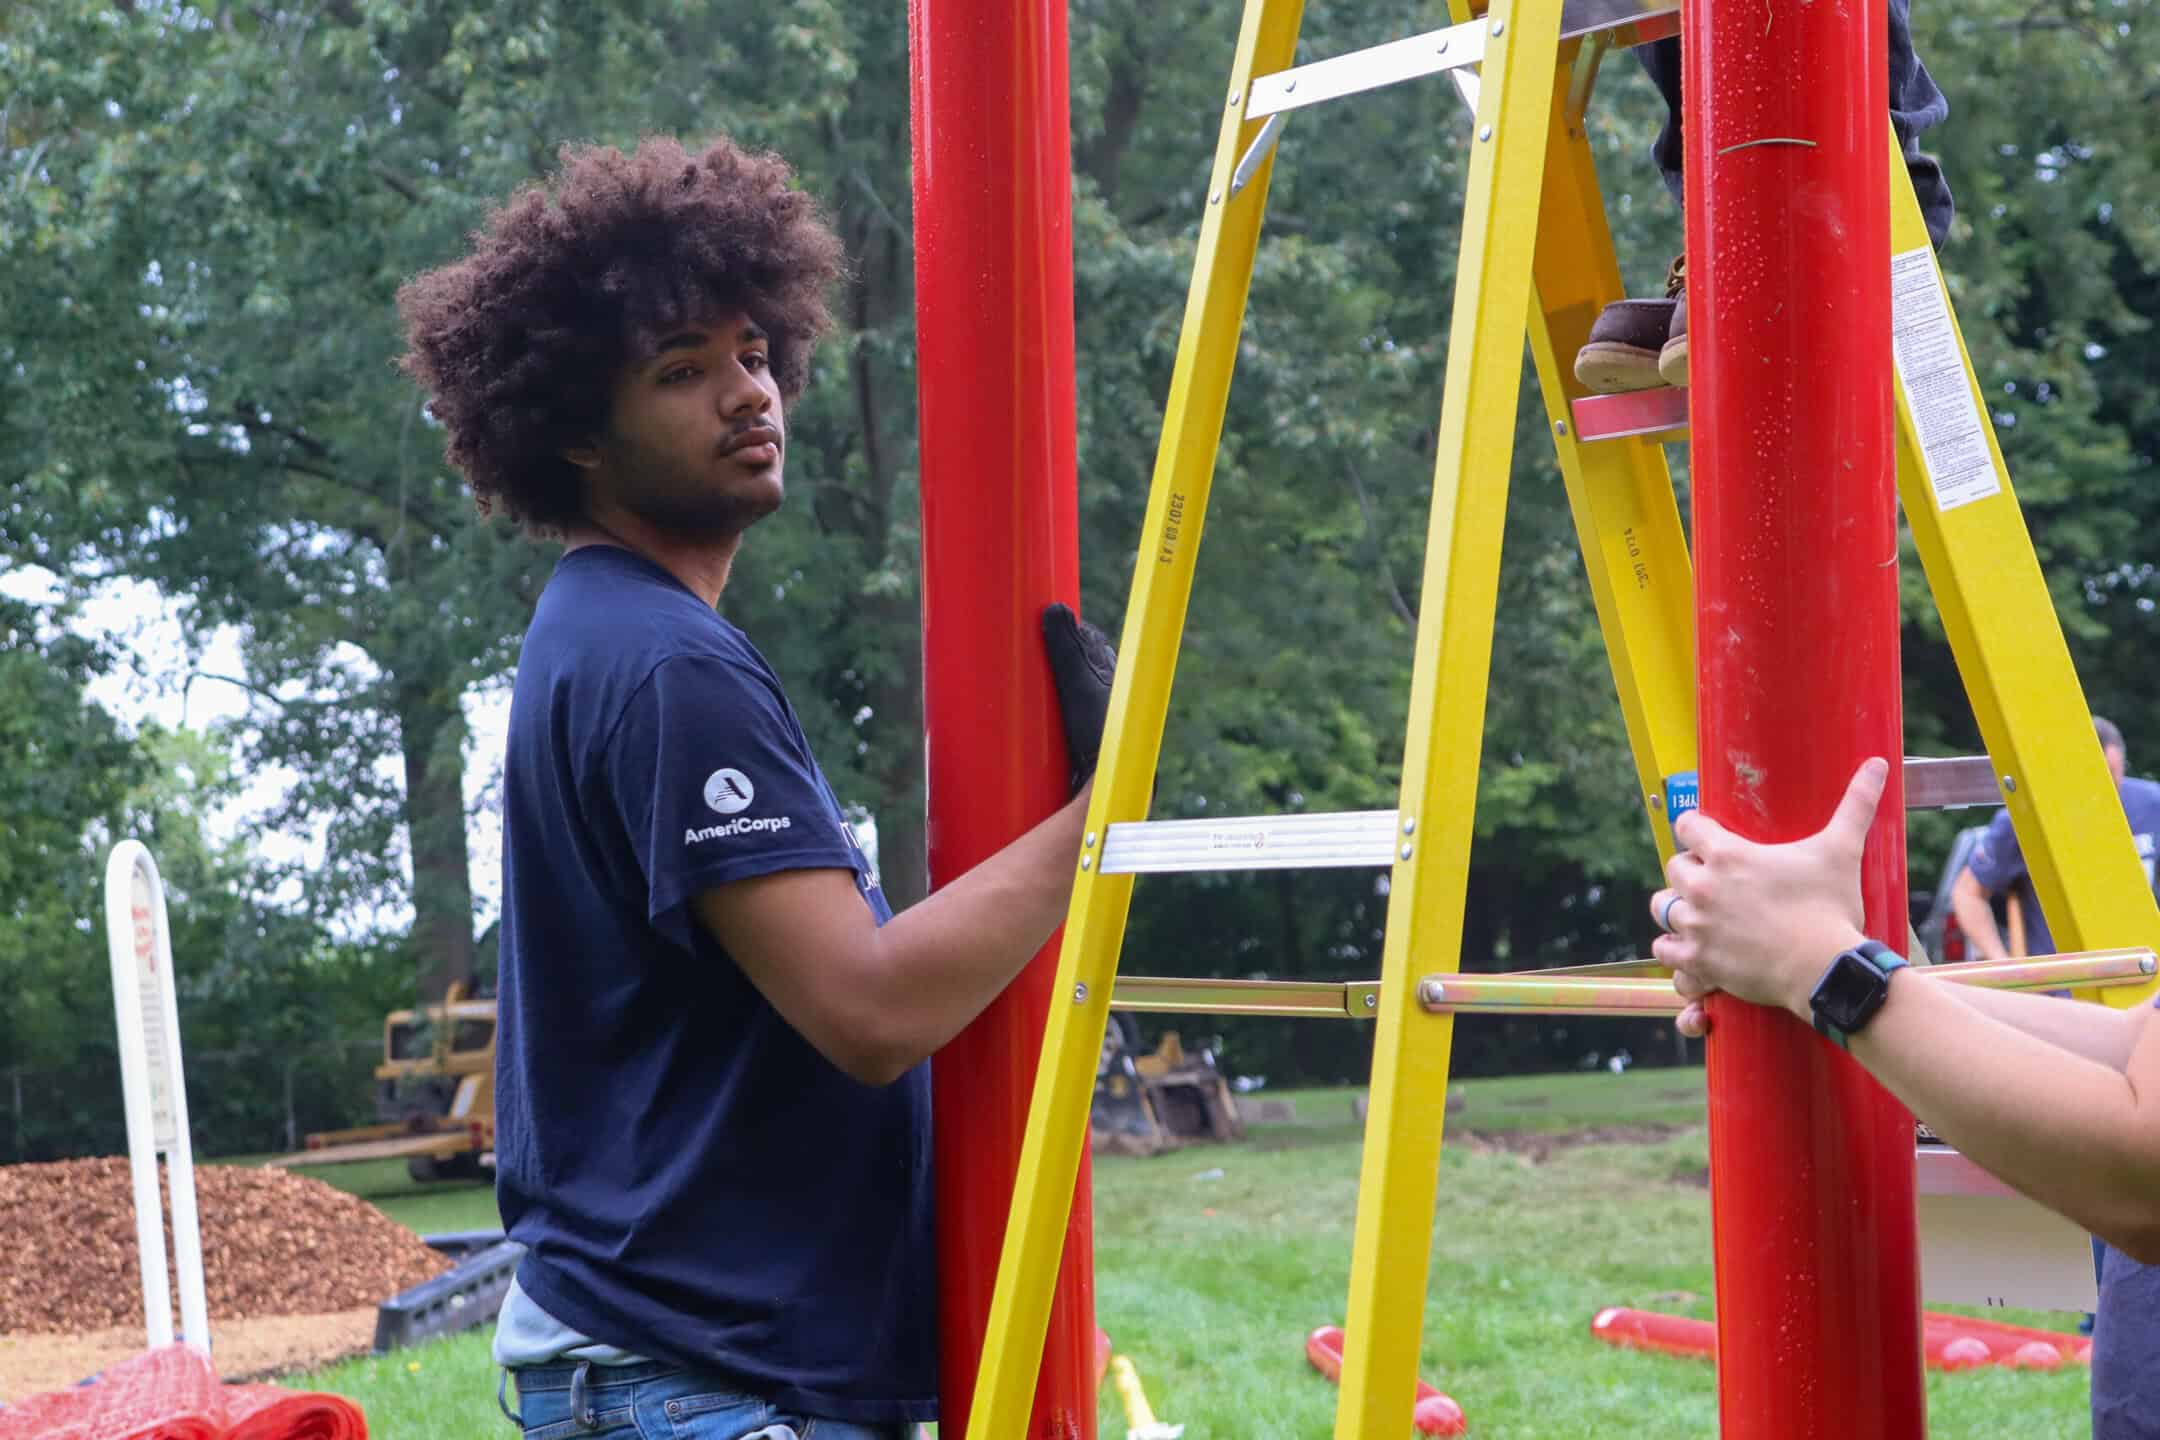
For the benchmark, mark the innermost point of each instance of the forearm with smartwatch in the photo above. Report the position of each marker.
(1779, 925)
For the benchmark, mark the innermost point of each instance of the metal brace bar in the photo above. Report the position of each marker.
(1581, 76)
(1262, 143)
(1428, 54)
(1621, 988)
(1372, 69)
(1535, 992)
(1334, 1000)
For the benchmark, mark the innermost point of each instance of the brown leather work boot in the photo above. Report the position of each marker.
(1672, 357)
(1629, 340)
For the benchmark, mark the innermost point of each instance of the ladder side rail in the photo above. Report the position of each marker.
(1399, 1174)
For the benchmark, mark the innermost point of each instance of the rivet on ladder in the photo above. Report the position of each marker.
(1650, 803)
(1289, 86)
(1409, 824)
(1498, 26)
(1372, 1001)
(1406, 852)
(1485, 133)
(1087, 862)
(1215, 199)
(1560, 427)
(1090, 842)
(2147, 965)
(1080, 994)
(2010, 783)
(1441, 48)
(1432, 992)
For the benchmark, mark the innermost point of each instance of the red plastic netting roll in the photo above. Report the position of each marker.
(171, 1393)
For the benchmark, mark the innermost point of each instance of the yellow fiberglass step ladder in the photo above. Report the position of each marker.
(1534, 247)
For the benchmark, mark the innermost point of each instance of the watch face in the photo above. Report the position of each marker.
(1849, 992)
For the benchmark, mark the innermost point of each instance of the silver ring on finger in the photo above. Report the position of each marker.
(1664, 919)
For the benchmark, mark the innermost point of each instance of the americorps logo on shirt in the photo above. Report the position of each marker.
(729, 791)
(747, 825)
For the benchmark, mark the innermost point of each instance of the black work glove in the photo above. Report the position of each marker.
(1081, 665)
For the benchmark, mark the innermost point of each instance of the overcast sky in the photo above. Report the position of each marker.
(143, 625)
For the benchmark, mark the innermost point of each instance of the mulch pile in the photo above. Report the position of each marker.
(273, 1243)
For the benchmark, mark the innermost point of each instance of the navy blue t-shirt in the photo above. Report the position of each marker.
(692, 1181)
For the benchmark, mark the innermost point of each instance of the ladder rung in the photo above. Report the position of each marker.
(1947, 782)
(1367, 837)
(1939, 1170)
(1426, 54)
(1251, 842)
(1369, 69)
(1662, 412)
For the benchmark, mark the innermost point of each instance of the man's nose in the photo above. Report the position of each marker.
(743, 395)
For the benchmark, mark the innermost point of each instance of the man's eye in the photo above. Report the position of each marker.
(756, 360)
(678, 374)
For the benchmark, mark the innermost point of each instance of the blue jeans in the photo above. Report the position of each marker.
(583, 1401)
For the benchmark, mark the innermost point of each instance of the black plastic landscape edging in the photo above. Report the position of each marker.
(467, 1294)
(458, 1244)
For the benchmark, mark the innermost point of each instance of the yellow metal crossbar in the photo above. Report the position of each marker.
(1537, 993)
(1625, 987)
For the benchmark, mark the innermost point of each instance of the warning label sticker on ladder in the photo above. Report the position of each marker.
(1931, 365)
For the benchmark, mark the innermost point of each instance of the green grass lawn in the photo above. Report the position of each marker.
(425, 1209)
(1213, 1262)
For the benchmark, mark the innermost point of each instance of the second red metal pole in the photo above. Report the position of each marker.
(1793, 476)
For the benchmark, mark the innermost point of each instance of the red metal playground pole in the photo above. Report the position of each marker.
(994, 367)
(1811, 1163)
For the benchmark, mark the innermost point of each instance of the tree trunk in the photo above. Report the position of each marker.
(1101, 158)
(432, 737)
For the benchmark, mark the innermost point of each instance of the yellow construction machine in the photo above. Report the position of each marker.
(434, 1096)
(1149, 1102)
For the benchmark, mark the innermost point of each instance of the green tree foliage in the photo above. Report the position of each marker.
(204, 213)
(270, 1003)
(63, 779)
(211, 211)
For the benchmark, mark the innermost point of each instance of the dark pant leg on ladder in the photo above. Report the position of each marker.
(1915, 105)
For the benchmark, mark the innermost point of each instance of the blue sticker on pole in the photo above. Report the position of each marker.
(1681, 795)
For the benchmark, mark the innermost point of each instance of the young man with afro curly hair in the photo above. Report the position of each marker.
(712, 1107)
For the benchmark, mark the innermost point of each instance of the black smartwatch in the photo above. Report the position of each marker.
(1853, 989)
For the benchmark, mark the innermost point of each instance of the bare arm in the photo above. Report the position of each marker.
(2095, 1032)
(876, 1000)
(2074, 1132)
(1975, 911)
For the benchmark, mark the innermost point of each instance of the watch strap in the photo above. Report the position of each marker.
(1885, 961)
